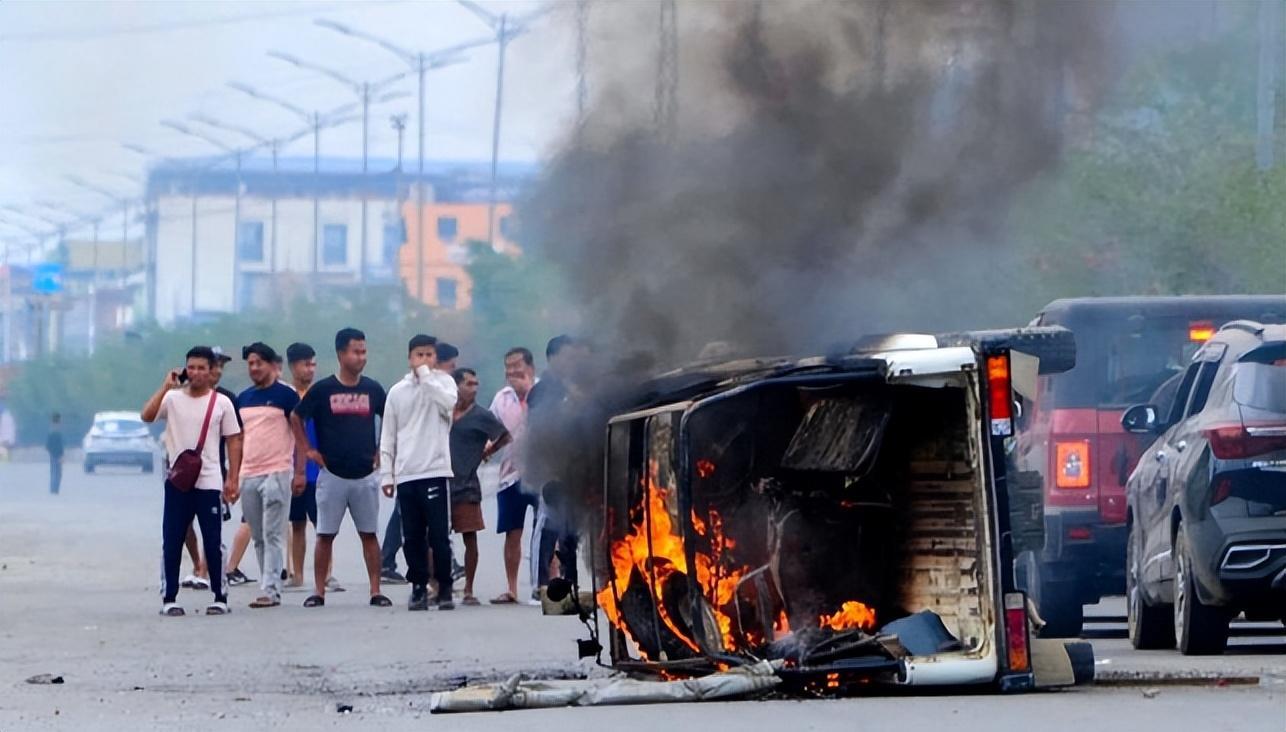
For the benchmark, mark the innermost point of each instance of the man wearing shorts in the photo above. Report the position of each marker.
(476, 435)
(415, 460)
(302, 360)
(510, 407)
(267, 465)
(343, 408)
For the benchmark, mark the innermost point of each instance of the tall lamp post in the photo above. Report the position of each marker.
(421, 63)
(505, 30)
(274, 145)
(236, 205)
(314, 119)
(363, 90)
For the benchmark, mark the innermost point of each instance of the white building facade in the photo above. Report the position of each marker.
(285, 235)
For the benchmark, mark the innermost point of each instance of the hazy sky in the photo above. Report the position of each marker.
(79, 78)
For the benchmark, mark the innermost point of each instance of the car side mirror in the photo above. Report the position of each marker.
(1141, 419)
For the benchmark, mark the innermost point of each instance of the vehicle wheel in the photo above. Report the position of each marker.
(1057, 602)
(89, 467)
(1198, 629)
(1151, 626)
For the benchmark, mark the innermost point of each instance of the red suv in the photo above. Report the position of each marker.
(1127, 348)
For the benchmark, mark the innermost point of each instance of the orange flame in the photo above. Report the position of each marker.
(666, 557)
(853, 614)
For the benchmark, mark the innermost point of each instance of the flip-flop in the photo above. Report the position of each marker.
(315, 601)
(172, 610)
(262, 602)
(504, 598)
(470, 600)
(217, 608)
(381, 601)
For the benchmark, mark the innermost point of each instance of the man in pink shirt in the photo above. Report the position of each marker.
(267, 466)
(510, 406)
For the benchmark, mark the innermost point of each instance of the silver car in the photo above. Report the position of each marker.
(119, 438)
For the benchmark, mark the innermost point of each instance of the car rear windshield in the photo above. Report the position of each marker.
(1259, 379)
(1124, 362)
(120, 426)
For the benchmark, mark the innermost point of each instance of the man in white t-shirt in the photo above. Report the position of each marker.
(184, 409)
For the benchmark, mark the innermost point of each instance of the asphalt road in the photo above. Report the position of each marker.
(78, 598)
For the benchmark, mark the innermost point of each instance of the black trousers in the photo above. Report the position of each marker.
(180, 509)
(425, 506)
(557, 536)
(563, 544)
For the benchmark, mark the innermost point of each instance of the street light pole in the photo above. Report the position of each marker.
(274, 146)
(236, 210)
(419, 62)
(419, 192)
(502, 44)
(505, 31)
(363, 91)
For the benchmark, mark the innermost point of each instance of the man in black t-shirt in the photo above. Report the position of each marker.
(343, 408)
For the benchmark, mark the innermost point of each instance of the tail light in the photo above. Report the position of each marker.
(1235, 442)
(1072, 464)
(1001, 396)
(1016, 631)
(1200, 332)
(1080, 533)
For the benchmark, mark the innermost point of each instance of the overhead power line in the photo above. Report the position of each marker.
(177, 25)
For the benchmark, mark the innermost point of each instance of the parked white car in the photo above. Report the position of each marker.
(119, 438)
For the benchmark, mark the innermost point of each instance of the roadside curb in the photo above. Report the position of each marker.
(1129, 679)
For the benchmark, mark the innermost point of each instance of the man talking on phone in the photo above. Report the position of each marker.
(196, 418)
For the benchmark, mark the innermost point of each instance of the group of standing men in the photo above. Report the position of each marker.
(317, 446)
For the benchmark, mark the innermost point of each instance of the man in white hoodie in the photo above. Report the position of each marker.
(415, 458)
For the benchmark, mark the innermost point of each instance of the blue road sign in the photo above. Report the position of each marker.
(47, 278)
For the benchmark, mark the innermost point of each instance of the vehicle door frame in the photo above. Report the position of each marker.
(1149, 506)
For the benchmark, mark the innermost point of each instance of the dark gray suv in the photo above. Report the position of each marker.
(1207, 502)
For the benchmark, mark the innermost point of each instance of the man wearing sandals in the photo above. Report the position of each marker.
(343, 408)
(415, 458)
(476, 435)
(195, 415)
(267, 466)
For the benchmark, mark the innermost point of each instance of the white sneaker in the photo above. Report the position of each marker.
(332, 585)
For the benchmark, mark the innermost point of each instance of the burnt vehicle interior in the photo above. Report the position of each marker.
(834, 523)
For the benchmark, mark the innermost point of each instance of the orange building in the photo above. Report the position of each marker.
(448, 229)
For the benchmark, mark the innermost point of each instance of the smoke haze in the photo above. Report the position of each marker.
(835, 167)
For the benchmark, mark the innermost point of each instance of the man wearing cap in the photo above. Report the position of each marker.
(267, 466)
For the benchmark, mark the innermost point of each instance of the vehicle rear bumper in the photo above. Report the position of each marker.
(119, 458)
(1250, 567)
(1095, 563)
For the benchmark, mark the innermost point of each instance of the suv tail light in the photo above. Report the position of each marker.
(1072, 464)
(1001, 396)
(1016, 631)
(1235, 442)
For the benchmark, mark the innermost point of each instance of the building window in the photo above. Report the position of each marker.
(448, 228)
(447, 293)
(250, 241)
(394, 237)
(334, 245)
(507, 227)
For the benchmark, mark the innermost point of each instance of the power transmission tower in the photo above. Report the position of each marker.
(666, 110)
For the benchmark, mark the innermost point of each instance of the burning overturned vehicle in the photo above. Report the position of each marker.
(819, 525)
(845, 518)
